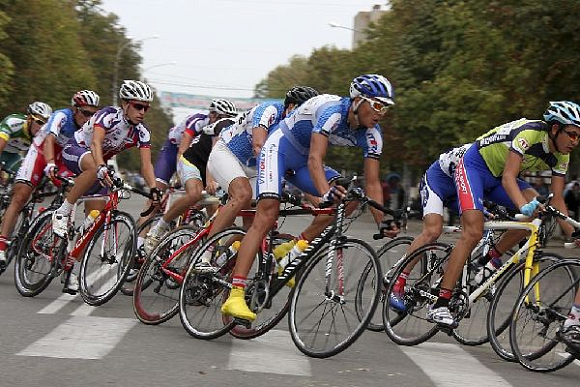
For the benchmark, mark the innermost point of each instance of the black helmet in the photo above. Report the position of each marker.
(299, 94)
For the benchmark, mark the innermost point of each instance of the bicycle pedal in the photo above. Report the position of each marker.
(243, 322)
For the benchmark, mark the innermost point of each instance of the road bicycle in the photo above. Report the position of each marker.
(477, 307)
(323, 320)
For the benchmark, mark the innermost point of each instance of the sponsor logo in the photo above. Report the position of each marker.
(460, 179)
(493, 139)
(523, 143)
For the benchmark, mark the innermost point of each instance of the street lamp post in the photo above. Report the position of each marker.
(118, 59)
(172, 63)
(336, 25)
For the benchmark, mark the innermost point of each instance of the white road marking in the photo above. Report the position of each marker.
(565, 354)
(273, 353)
(57, 304)
(81, 337)
(447, 365)
(85, 309)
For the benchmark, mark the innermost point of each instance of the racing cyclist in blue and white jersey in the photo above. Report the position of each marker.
(299, 144)
(237, 148)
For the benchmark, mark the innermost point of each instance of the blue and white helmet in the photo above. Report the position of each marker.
(373, 86)
(564, 112)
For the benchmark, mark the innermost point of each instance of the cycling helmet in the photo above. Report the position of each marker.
(85, 98)
(136, 90)
(564, 112)
(223, 106)
(373, 86)
(39, 109)
(299, 94)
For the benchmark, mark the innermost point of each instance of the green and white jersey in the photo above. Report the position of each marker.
(14, 130)
(527, 138)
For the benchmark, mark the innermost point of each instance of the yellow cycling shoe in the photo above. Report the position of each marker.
(236, 306)
(280, 253)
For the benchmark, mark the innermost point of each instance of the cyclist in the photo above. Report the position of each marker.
(492, 165)
(44, 155)
(191, 168)
(17, 131)
(110, 131)
(237, 148)
(299, 144)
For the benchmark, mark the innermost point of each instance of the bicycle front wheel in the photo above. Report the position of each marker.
(156, 294)
(388, 255)
(539, 314)
(323, 315)
(107, 259)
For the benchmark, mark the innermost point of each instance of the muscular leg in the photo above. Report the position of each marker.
(240, 194)
(20, 197)
(193, 188)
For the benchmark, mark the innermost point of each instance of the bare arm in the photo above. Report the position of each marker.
(97, 145)
(373, 186)
(557, 188)
(318, 147)
(509, 179)
(147, 167)
(184, 144)
(48, 148)
(259, 134)
(3, 144)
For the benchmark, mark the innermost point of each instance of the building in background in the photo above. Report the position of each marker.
(361, 23)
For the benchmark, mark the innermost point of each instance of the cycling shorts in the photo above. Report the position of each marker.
(166, 163)
(72, 155)
(437, 191)
(32, 169)
(474, 181)
(220, 157)
(187, 171)
(279, 160)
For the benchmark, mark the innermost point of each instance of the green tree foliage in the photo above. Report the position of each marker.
(459, 68)
(52, 48)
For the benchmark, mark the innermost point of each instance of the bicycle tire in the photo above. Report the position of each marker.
(37, 256)
(156, 294)
(540, 349)
(101, 277)
(201, 295)
(311, 290)
(140, 256)
(269, 317)
(388, 256)
(411, 327)
(503, 302)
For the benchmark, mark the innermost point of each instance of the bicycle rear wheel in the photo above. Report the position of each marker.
(107, 259)
(273, 310)
(323, 315)
(425, 267)
(202, 295)
(502, 305)
(388, 256)
(38, 259)
(538, 316)
(156, 294)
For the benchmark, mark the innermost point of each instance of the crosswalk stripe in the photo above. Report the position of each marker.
(81, 337)
(57, 304)
(447, 365)
(272, 353)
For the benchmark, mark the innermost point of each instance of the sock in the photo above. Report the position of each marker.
(66, 208)
(444, 297)
(400, 283)
(140, 241)
(4, 243)
(302, 236)
(573, 317)
(496, 262)
(162, 224)
(239, 281)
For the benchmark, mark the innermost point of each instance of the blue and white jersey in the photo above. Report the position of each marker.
(238, 137)
(192, 125)
(449, 160)
(61, 124)
(328, 115)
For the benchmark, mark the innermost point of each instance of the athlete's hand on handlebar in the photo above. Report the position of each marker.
(390, 228)
(104, 176)
(334, 195)
(50, 171)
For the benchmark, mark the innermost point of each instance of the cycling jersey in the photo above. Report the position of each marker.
(527, 138)
(198, 153)
(119, 133)
(238, 137)
(288, 146)
(61, 124)
(192, 125)
(15, 131)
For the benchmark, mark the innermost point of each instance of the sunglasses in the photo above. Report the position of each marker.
(574, 136)
(377, 106)
(38, 120)
(139, 106)
(86, 113)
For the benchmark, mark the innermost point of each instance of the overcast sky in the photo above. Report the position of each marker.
(225, 47)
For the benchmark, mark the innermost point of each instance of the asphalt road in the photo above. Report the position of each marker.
(56, 340)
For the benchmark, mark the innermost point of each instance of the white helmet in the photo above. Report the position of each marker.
(85, 98)
(39, 109)
(223, 106)
(136, 90)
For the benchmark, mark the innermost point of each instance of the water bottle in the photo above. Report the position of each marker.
(298, 248)
(230, 252)
(89, 220)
